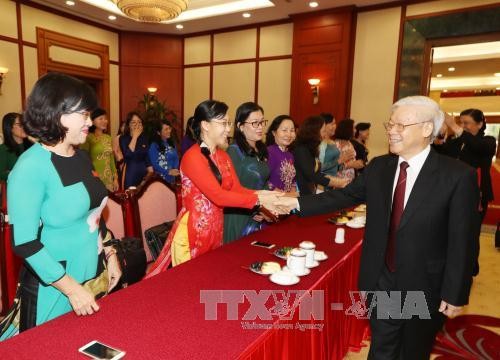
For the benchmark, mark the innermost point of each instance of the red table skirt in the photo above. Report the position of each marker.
(340, 332)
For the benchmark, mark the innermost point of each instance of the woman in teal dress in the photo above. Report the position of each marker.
(249, 156)
(55, 202)
(15, 143)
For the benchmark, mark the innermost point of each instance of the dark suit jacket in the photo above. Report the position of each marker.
(307, 177)
(436, 242)
(477, 151)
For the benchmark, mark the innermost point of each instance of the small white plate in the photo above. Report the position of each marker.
(306, 271)
(284, 278)
(355, 224)
(320, 256)
(313, 265)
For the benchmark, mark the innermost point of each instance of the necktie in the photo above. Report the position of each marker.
(398, 203)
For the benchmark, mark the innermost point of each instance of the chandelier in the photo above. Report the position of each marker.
(153, 11)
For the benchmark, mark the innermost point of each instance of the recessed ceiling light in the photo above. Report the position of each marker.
(246, 15)
(313, 4)
(439, 75)
(451, 69)
(179, 26)
(112, 17)
(445, 90)
(70, 3)
(497, 74)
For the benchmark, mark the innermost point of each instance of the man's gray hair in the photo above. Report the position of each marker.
(432, 111)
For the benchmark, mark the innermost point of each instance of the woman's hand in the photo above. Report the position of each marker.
(136, 131)
(81, 300)
(114, 270)
(346, 155)
(337, 182)
(174, 172)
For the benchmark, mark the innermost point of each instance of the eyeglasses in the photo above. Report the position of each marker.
(86, 114)
(18, 124)
(256, 124)
(400, 127)
(223, 123)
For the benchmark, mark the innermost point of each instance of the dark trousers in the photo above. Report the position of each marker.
(399, 338)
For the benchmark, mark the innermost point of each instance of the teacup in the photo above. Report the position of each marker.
(296, 261)
(309, 247)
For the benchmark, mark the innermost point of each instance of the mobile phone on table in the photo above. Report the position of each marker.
(98, 350)
(262, 244)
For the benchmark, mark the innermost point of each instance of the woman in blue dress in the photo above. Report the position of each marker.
(249, 156)
(55, 202)
(163, 153)
(135, 145)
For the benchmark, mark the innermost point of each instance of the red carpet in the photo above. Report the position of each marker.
(464, 338)
(493, 213)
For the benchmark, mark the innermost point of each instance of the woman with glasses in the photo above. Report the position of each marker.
(134, 146)
(249, 156)
(15, 143)
(100, 148)
(209, 184)
(55, 202)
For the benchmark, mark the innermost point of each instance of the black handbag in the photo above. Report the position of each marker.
(132, 258)
(156, 237)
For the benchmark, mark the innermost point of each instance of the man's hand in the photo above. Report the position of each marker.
(285, 204)
(450, 310)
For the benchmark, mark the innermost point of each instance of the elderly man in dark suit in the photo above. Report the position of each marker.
(422, 211)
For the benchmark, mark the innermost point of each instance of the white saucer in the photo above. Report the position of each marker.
(320, 256)
(314, 264)
(355, 225)
(306, 271)
(284, 278)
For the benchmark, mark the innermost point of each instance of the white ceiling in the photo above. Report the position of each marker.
(281, 10)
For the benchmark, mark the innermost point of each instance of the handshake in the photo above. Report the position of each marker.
(276, 203)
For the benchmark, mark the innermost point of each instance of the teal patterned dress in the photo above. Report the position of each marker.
(55, 204)
(253, 174)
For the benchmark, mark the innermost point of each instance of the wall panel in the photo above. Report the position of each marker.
(234, 84)
(8, 25)
(235, 45)
(374, 72)
(196, 89)
(276, 40)
(274, 87)
(197, 50)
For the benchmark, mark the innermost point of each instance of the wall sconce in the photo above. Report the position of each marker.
(315, 89)
(3, 71)
(152, 90)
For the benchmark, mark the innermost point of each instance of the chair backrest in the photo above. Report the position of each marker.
(157, 204)
(113, 216)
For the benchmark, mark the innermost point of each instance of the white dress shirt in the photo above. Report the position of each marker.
(415, 165)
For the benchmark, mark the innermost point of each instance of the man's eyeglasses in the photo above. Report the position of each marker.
(256, 124)
(400, 127)
(223, 123)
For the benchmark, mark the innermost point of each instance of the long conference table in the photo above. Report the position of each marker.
(214, 307)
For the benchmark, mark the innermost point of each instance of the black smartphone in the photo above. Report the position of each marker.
(97, 350)
(262, 244)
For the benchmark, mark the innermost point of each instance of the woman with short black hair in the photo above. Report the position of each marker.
(163, 152)
(55, 203)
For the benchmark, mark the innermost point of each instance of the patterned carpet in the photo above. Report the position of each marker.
(476, 333)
